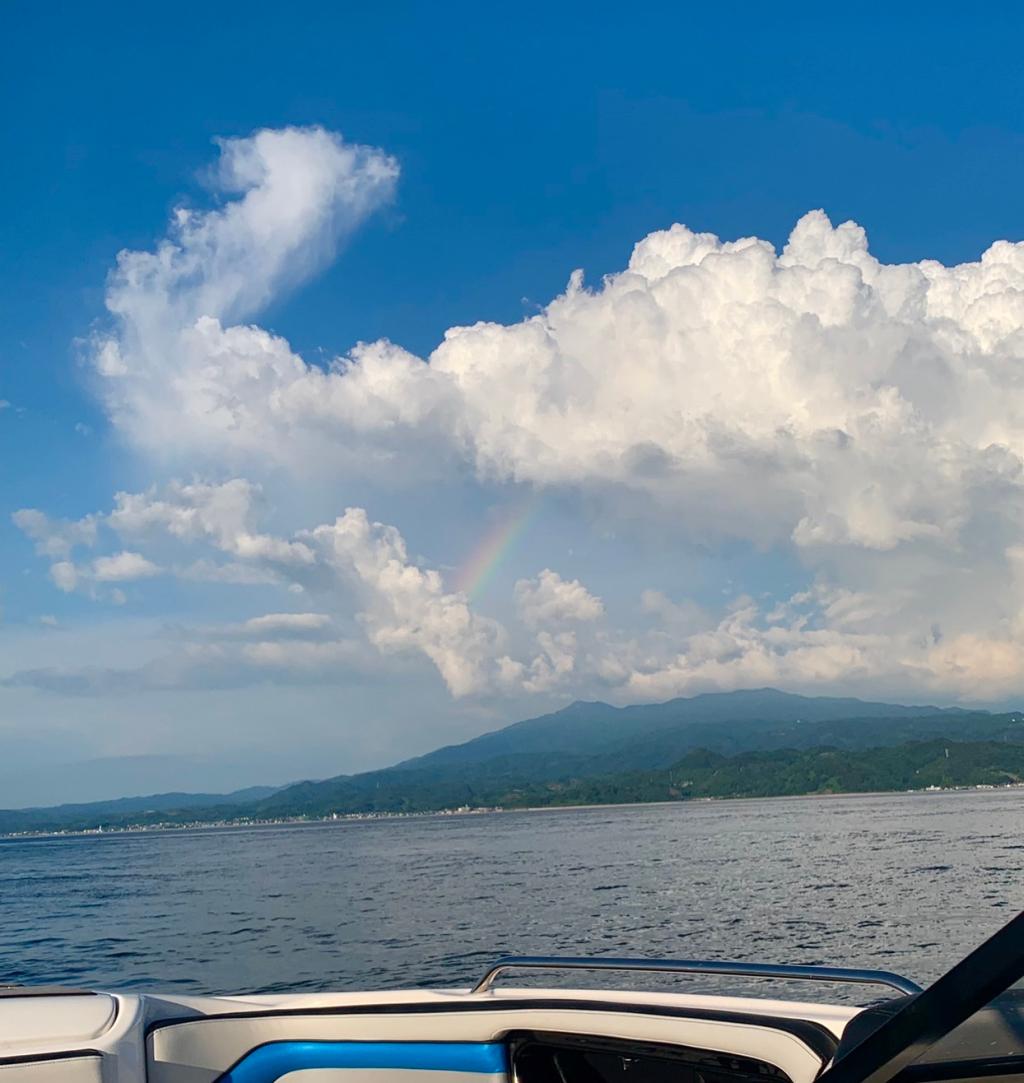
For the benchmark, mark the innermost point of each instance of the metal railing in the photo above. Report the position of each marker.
(699, 966)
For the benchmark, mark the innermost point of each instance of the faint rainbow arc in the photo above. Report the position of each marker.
(477, 570)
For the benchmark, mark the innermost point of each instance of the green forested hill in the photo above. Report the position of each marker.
(655, 734)
(699, 774)
(570, 756)
(740, 744)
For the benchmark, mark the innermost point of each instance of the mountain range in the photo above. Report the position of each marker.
(745, 743)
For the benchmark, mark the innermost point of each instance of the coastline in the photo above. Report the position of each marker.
(358, 817)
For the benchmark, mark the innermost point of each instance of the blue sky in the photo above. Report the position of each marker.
(519, 145)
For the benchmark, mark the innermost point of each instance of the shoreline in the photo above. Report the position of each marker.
(357, 817)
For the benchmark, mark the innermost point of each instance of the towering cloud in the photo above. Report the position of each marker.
(816, 396)
(865, 421)
(293, 196)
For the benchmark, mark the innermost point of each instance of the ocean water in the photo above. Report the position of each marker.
(902, 882)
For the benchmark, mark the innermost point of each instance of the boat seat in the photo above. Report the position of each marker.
(66, 1021)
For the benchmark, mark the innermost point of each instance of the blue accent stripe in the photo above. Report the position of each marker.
(267, 1063)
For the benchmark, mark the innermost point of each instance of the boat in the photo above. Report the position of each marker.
(967, 1025)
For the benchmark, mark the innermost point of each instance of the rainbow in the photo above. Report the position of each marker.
(493, 547)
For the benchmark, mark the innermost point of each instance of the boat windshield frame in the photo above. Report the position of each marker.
(924, 1019)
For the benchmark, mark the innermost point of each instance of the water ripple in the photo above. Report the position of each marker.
(908, 882)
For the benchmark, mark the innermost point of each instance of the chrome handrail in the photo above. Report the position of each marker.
(698, 966)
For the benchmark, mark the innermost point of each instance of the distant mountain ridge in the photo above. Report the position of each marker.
(595, 748)
(599, 727)
(121, 806)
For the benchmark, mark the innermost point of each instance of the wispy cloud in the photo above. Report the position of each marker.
(201, 666)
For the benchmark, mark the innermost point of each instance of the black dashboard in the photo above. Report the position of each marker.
(544, 1057)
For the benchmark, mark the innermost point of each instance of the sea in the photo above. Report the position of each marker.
(906, 882)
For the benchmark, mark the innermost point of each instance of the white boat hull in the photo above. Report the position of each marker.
(386, 1037)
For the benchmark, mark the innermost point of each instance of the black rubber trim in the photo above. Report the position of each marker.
(820, 1040)
(42, 1058)
(43, 991)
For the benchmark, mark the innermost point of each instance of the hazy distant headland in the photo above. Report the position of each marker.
(758, 743)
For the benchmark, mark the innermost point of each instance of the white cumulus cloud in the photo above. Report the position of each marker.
(55, 537)
(815, 395)
(550, 600)
(122, 567)
(293, 195)
(65, 575)
(407, 607)
(862, 421)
